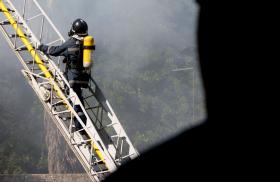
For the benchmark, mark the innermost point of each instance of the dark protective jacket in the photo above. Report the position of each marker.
(72, 51)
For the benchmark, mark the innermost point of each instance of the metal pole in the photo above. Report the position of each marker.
(23, 14)
(193, 96)
(41, 31)
(49, 20)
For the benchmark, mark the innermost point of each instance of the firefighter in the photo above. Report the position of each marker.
(75, 72)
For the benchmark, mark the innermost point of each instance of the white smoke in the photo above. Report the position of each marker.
(50, 3)
(128, 33)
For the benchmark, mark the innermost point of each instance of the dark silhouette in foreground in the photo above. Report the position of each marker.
(228, 144)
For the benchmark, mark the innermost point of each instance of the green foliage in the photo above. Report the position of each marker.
(22, 148)
(152, 101)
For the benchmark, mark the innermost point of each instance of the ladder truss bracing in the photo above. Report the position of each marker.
(102, 144)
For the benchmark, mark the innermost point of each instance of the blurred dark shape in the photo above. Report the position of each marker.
(232, 143)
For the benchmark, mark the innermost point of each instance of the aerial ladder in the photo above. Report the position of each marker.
(25, 25)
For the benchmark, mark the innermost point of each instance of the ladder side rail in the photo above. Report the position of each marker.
(82, 157)
(115, 121)
(93, 132)
(67, 137)
(97, 118)
(132, 151)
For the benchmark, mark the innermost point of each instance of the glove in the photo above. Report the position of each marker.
(64, 60)
(40, 47)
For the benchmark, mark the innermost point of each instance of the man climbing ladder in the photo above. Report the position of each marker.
(78, 63)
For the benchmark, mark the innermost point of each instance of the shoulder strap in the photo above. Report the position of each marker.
(78, 51)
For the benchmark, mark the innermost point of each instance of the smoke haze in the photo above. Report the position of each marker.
(136, 42)
(136, 38)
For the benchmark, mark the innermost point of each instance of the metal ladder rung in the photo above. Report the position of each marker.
(33, 61)
(30, 62)
(95, 161)
(123, 157)
(7, 22)
(115, 136)
(16, 35)
(94, 107)
(23, 48)
(58, 103)
(81, 143)
(8, 10)
(102, 172)
(84, 141)
(35, 69)
(107, 126)
(61, 112)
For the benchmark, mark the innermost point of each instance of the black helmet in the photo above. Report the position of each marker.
(79, 27)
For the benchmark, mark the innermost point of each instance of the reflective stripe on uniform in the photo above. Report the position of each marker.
(48, 50)
(78, 81)
(73, 49)
(80, 114)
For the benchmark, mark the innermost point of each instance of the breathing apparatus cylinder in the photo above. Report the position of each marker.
(88, 48)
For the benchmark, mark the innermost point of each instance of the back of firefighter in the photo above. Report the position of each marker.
(72, 51)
